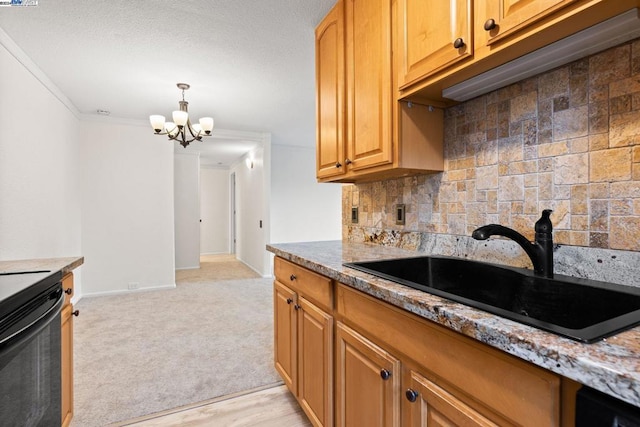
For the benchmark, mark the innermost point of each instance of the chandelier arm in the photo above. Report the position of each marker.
(197, 136)
(185, 138)
(190, 128)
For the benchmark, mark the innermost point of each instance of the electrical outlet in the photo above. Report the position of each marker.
(133, 285)
(400, 217)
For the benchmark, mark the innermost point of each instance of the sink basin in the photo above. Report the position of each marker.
(584, 310)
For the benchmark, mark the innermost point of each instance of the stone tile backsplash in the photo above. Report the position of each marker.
(567, 140)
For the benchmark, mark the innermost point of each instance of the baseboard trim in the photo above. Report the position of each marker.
(127, 291)
(195, 267)
(260, 273)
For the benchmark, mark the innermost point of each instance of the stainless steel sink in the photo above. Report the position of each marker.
(584, 310)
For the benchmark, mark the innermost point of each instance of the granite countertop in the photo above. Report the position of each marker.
(54, 265)
(611, 365)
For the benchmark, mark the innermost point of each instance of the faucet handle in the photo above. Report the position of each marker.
(543, 225)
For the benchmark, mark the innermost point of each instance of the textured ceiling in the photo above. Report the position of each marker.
(250, 63)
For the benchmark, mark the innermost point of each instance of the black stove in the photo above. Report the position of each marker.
(17, 287)
(30, 382)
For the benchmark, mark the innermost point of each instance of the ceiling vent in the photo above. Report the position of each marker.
(597, 38)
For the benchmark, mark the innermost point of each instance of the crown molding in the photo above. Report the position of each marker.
(112, 120)
(15, 51)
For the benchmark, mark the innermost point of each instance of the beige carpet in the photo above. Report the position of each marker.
(145, 352)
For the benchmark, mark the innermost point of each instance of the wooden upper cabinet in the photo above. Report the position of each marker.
(428, 31)
(363, 132)
(369, 84)
(330, 94)
(499, 19)
(499, 31)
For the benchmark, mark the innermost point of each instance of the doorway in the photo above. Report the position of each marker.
(232, 203)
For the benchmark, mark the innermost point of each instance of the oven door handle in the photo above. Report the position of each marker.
(23, 335)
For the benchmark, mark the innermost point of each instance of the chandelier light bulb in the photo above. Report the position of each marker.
(157, 122)
(207, 124)
(180, 117)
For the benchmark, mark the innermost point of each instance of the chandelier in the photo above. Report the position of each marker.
(181, 129)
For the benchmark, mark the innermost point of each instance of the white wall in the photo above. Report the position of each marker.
(214, 210)
(105, 190)
(301, 208)
(250, 210)
(39, 173)
(187, 210)
(127, 208)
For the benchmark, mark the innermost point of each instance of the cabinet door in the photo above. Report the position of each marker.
(285, 338)
(510, 16)
(369, 85)
(66, 362)
(330, 153)
(428, 30)
(367, 382)
(66, 355)
(428, 404)
(315, 363)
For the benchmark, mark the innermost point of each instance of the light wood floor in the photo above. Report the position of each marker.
(215, 267)
(266, 407)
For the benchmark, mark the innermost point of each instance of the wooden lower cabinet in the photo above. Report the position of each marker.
(353, 360)
(66, 359)
(426, 404)
(304, 352)
(367, 382)
(285, 329)
(503, 388)
(315, 363)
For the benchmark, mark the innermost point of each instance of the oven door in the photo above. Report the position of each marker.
(30, 363)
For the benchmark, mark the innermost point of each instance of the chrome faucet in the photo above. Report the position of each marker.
(540, 252)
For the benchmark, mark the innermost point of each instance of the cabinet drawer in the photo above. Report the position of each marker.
(67, 287)
(313, 286)
(516, 390)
